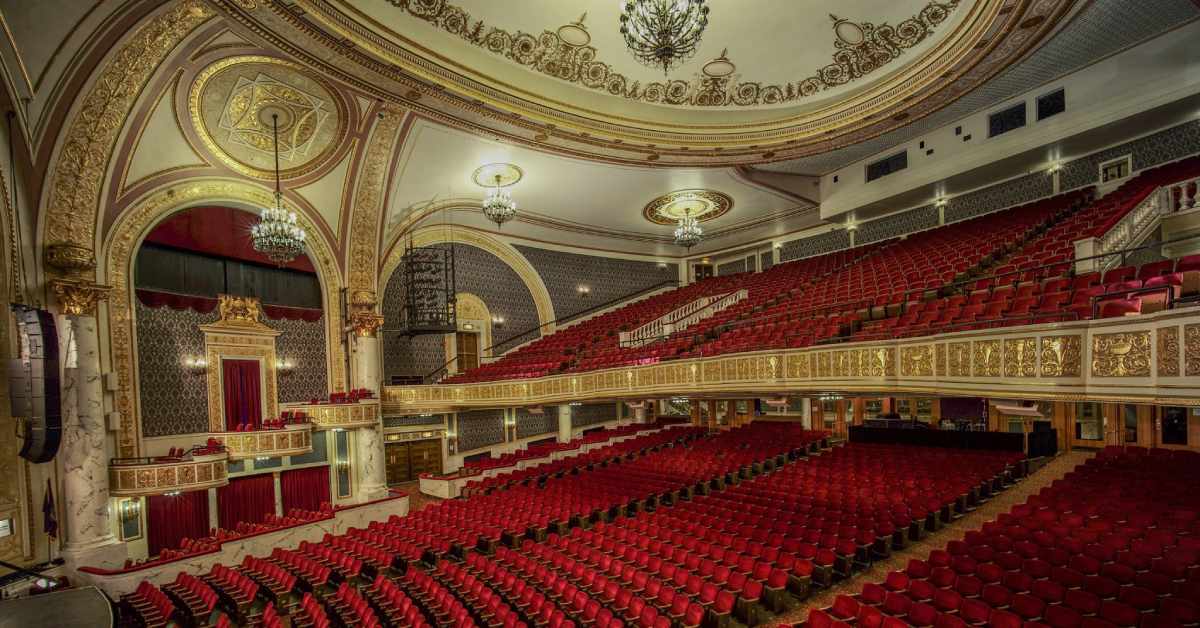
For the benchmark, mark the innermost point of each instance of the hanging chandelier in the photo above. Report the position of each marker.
(277, 234)
(498, 206)
(688, 233)
(663, 33)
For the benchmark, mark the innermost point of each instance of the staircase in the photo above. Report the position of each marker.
(680, 319)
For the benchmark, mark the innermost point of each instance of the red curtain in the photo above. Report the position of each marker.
(243, 394)
(172, 518)
(304, 488)
(246, 500)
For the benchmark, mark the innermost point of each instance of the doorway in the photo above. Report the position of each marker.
(467, 344)
(406, 462)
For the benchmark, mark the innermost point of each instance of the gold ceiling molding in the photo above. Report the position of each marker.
(993, 35)
(444, 234)
(231, 102)
(73, 198)
(997, 363)
(703, 205)
(368, 210)
(121, 247)
(860, 48)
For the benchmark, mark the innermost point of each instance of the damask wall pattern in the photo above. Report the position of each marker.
(303, 344)
(480, 428)
(530, 424)
(475, 271)
(1164, 146)
(607, 278)
(820, 244)
(582, 416)
(731, 267)
(174, 399)
(1003, 195)
(897, 225)
(410, 420)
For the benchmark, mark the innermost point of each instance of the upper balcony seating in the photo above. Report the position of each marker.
(1116, 542)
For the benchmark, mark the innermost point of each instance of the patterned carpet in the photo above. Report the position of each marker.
(1053, 470)
(416, 499)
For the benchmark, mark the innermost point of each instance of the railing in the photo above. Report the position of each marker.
(1132, 228)
(680, 318)
(434, 376)
(1183, 195)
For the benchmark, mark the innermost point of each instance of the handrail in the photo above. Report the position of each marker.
(559, 321)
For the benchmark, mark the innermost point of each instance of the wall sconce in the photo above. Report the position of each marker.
(172, 493)
(343, 466)
(498, 322)
(1054, 168)
(284, 366)
(583, 290)
(941, 201)
(662, 265)
(195, 364)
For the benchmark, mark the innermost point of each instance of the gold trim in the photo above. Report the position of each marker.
(508, 175)
(703, 205)
(156, 478)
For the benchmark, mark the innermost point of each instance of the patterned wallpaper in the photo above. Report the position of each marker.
(608, 278)
(173, 398)
(438, 420)
(820, 244)
(592, 414)
(1158, 148)
(1003, 195)
(731, 267)
(530, 424)
(475, 271)
(896, 225)
(766, 260)
(480, 428)
(303, 343)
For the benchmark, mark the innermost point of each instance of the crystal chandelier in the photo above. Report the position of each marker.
(499, 206)
(688, 233)
(277, 234)
(663, 33)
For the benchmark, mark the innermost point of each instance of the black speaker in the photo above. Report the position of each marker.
(33, 384)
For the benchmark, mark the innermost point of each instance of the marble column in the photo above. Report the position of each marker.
(365, 368)
(806, 413)
(564, 423)
(639, 413)
(88, 538)
(372, 476)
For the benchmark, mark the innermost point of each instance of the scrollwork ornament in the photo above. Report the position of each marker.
(79, 298)
(1124, 354)
(365, 323)
(1191, 343)
(1061, 356)
(1168, 351)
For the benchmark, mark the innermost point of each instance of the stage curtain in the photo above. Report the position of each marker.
(172, 518)
(304, 488)
(243, 394)
(246, 500)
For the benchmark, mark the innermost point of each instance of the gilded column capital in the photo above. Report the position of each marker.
(365, 323)
(77, 297)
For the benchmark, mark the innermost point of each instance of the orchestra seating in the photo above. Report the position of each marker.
(1013, 267)
(1116, 542)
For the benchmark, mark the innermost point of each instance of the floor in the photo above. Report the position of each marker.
(1053, 470)
(416, 499)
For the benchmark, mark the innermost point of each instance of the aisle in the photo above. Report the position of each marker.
(1053, 470)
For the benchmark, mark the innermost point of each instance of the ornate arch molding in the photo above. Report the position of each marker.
(117, 269)
(427, 236)
(366, 219)
(72, 197)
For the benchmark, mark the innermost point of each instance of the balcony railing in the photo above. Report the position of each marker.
(135, 477)
(291, 440)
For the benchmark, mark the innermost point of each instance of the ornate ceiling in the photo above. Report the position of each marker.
(785, 80)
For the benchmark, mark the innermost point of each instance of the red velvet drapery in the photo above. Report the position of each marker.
(246, 500)
(304, 488)
(172, 518)
(243, 393)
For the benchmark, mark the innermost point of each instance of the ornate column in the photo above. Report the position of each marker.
(639, 413)
(806, 413)
(564, 423)
(364, 373)
(365, 366)
(372, 476)
(84, 455)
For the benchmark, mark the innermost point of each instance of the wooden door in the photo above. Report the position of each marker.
(468, 350)
(397, 461)
(426, 457)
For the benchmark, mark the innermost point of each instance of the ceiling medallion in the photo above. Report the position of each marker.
(663, 33)
(697, 204)
(277, 234)
(498, 205)
(859, 49)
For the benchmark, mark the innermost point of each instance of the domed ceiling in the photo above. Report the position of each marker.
(770, 79)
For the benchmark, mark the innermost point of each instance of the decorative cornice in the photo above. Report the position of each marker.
(368, 210)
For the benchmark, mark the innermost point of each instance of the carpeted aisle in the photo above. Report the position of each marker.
(1053, 470)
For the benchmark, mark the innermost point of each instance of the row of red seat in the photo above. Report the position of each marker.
(396, 606)
(449, 610)
(492, 607)
(1116, 542)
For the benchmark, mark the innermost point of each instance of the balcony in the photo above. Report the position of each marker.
(291, 440)
(362, 413)
(138, 477)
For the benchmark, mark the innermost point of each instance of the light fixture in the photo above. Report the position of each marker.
(663, 33)
(172, 493)
(498, 206)
(688, 233)
(195, 364)
(284, 366)
(941, 201)
(497, 321)
(277, 234)
(583, 290)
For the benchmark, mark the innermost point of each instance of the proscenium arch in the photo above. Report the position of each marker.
(116, 269)
(444, 234)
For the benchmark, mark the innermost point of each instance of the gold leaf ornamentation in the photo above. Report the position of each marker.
(1061, 356)
(1020, 357)
(960, 359)
(1124, 354)
(1191, 343)
(986, 358)
(916, 361)
(1168, 351)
